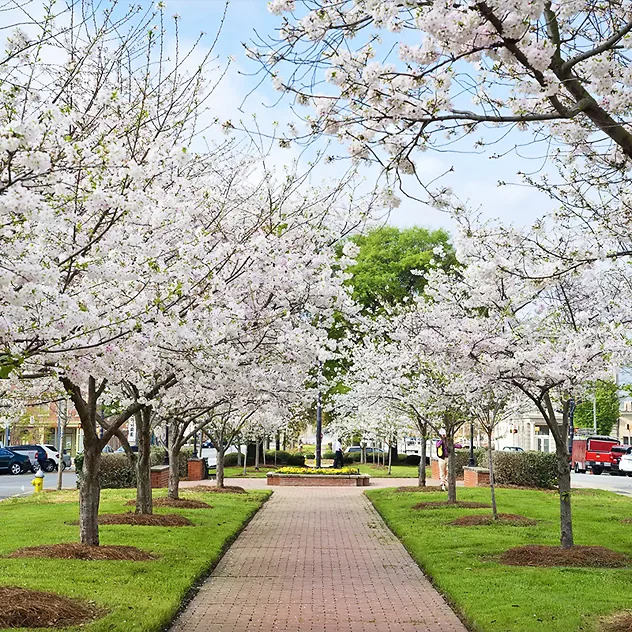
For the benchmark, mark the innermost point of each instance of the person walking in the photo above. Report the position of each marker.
(337, 453)
(442, 456)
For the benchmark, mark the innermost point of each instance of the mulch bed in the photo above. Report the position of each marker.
(76, 551)
(627, 521)
(179, 503)
(427, 488)
(620, 622)
(442, 504)
(481, 520)
(23, 608)
(229, 489)
(146, 520)
(585, 556)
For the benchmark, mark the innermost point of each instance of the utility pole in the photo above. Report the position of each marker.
(62, 420)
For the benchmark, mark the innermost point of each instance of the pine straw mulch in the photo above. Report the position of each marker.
(582, 556)
(619, 622)
(627, 521)
(443, 504)
(427, 488)
(178, 503)
(483, 520)
(23, 608)
(146, 520)
(76, 551)
(229, 489)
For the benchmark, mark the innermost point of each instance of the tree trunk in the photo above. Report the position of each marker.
(257, 456)
(246, 462)
(62, 413)
(564, 486)
(89, 496)
(143, 466)
(173, 491)
(238, 455)
(451, 468)
(422, 464)
(390, 460)
(264, 453)
(492, 486)
(219, 468)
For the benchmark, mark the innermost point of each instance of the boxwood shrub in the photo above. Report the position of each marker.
(526, 469)
(117, 471)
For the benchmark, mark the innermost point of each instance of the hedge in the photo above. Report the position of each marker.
(526, 469)
(282, 458)
(117, 471)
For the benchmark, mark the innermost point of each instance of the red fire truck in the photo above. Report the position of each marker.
(592, 453)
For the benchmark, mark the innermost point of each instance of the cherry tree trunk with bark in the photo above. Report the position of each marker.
(144, 504)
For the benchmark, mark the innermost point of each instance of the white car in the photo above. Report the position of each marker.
(625, 463)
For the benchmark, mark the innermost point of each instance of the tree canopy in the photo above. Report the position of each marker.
(607, 405)
(391, 263)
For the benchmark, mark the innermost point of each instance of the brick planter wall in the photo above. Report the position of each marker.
(475, 477)
(195, 469)
(159, 476)
(313, 480)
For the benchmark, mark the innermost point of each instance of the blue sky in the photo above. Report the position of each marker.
(474, 178)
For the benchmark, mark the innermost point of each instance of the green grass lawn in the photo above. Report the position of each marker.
(139, 596)
(496, 598)
(238, 472)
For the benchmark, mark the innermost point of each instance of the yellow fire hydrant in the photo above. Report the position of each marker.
(38, 481)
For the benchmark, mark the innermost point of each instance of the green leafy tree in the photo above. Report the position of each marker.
(391, 263)
(607, 404)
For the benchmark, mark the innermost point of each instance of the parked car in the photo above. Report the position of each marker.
(513, 448)
(356, 448)
(38, 455)
(616, 452)
(625, 462)
(121, 449)
(14, 462)
(53, 453)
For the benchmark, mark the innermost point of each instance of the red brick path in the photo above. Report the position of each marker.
(317, 560)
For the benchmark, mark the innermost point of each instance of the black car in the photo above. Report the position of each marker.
(13, 462)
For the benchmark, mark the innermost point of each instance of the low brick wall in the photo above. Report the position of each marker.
(313, 480)
(475, 477)
(195, 469)
(159, 476)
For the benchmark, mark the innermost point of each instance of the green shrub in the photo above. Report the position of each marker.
(230, 459)
(117, 472)
(285, 458)
(410, 459)
(526, 469)
(401, 458)
(328, 454)
(309, 455)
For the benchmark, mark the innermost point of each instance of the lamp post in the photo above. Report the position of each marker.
(319, 425)
(472, 461)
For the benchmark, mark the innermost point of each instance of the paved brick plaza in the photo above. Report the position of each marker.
(317, 560)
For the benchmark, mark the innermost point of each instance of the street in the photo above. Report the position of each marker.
(618, 484)
(21, 483)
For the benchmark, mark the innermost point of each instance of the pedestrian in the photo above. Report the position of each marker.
(442, 455)
(337, 446)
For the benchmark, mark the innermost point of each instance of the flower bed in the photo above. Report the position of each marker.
(311, 477)
(324, 471)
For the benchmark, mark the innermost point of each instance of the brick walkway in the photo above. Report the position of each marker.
(317, 560)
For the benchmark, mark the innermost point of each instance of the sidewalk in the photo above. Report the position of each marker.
(317, 560)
